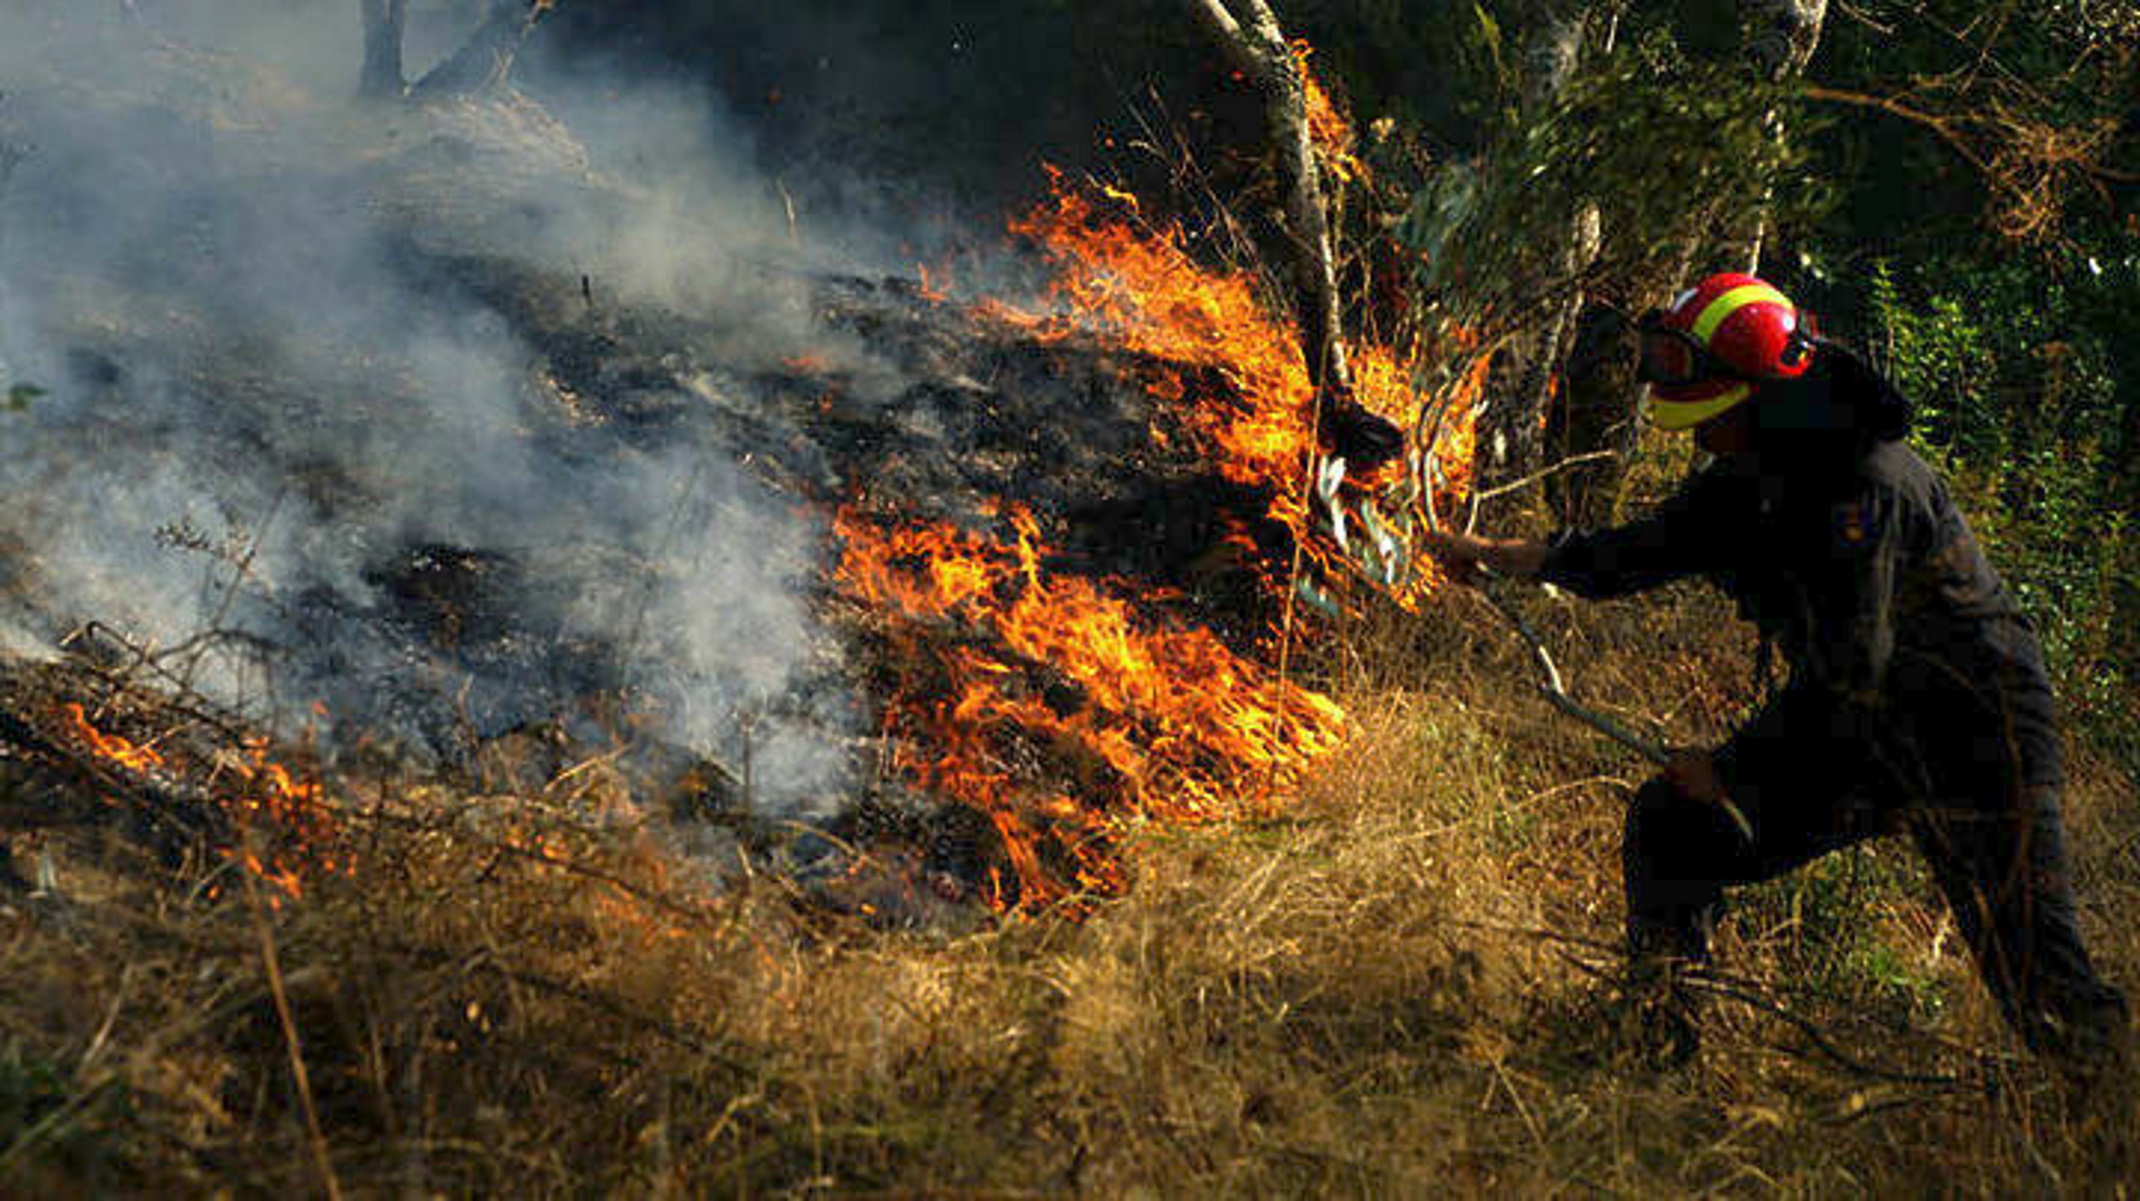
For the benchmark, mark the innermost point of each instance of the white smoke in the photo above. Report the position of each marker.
(272, 381)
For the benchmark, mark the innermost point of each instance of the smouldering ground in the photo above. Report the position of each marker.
(1401, 986)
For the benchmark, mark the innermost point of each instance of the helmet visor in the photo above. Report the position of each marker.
(1674, 358)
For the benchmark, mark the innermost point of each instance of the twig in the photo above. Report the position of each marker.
(1896, 108)
(242, 571)
(1542, 473)
(1819, 1039)
(655, 900)
(1720, 986)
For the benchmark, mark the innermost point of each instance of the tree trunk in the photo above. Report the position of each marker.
(1598, 414)
(1779, 38)
(384, 21)
(485, 60)
(1258, 48)
(11, 156)
(1520, 383)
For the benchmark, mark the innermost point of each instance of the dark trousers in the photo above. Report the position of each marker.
(1971, 770)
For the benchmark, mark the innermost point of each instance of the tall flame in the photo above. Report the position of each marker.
(1052, 703)
(1141, 287)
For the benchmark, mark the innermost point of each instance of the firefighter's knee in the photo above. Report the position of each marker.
(1657, 808)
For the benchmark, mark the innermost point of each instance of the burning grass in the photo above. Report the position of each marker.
(561, 979)
(1029, 677)
(1168, 722)
(1393, 988)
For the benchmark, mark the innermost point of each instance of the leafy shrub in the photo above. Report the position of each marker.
(2026, 402)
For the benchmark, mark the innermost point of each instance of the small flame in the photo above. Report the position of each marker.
(935, 286)
(288, 812)
(126, 754)
(1327, 127)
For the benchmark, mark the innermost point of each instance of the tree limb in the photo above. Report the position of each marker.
(384, 21)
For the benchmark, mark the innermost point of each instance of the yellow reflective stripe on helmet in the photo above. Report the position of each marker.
(1686, 414)
(1717, 311)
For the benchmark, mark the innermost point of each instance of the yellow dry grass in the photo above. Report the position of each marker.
(1401, 987)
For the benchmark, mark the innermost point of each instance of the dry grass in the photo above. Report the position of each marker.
(1403, 986)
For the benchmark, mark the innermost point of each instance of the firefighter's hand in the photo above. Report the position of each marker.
(1694, 775)
(1461, 555)
(1458, 554)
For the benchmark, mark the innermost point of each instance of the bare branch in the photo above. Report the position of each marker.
(1556, 692)
(1224, 28)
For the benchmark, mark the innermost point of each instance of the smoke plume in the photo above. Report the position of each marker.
(293, 432)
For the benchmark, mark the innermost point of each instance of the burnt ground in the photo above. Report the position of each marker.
(436, 649)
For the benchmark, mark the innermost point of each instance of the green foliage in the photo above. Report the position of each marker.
(2024, 378)
(19, 397)
(50, 1119)
(1818, 917)
(1673, 152)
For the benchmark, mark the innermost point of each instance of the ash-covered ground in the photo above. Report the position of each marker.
(423, 425)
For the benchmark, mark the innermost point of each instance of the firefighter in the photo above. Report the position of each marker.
(1916, 698)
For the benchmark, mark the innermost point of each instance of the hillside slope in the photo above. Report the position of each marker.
(436, 753)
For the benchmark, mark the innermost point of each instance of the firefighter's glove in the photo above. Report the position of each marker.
(1360, 437)
(1694, 775)
(1458, 554)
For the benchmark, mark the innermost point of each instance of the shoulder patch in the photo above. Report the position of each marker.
(1854, 523)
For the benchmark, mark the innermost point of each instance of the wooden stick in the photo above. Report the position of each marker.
(273, 962)
(1556, 692)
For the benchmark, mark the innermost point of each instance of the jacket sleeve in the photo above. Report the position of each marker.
(1680, 538)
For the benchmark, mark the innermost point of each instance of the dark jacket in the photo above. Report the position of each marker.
(1842, 547)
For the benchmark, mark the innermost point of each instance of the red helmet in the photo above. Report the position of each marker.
(1706, 353)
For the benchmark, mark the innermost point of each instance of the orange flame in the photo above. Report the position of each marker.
(271, 801)
(1052, 704)
(1142, 288)
(1159, 720)
(1327, 127)
(111, 746)
(935, 285)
